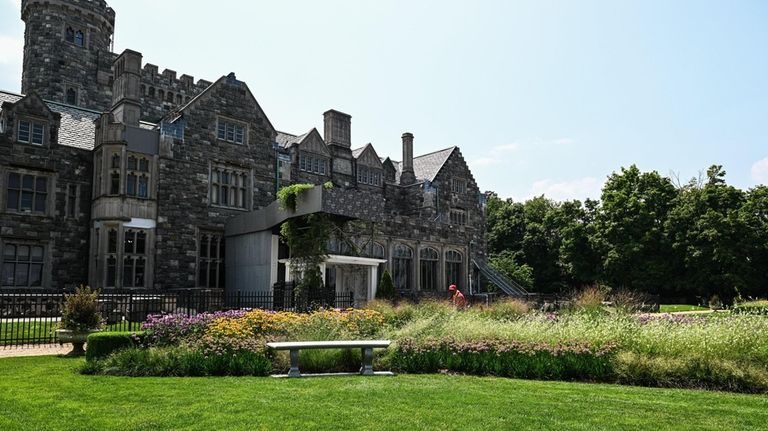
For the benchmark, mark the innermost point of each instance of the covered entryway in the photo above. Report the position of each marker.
(359, 275)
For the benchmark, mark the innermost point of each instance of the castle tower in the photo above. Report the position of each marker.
(67, 51)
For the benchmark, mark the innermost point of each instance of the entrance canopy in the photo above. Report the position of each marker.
(366, 286)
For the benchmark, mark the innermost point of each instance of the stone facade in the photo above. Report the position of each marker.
(141, 172)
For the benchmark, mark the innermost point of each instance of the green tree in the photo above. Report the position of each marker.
(506, 263)
(710, 234)
(386, 288)
(629, 233)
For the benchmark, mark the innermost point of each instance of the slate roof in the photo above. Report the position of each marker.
(427, 166)
(285, 140)
(77, 129)
(357, 151)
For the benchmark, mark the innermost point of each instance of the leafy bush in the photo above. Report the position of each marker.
(102, 344)
(81, 310)
(751, 307)
(506, 358)
(386, 288)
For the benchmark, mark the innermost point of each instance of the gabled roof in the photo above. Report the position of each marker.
(287, 140)
(360, 154)
(427, 166)
(77, 128)
(230, 79)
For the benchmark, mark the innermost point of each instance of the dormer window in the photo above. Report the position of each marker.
(366, 175)
(313, 163)
(30, 132)
(231, 132)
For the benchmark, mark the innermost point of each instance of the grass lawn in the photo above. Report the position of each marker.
(45, 393)
(41, 331)
(672, 308)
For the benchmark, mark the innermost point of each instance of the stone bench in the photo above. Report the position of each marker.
(366, 347)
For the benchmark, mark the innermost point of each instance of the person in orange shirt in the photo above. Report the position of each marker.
(457, 298)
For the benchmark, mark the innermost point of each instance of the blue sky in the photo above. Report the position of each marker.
(542, 97)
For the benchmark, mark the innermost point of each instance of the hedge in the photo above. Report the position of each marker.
(102, 344)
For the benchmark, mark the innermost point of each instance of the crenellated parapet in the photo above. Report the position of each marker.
(163, 91)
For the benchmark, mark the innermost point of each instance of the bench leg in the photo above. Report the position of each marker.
(367, 368)
(294, 371)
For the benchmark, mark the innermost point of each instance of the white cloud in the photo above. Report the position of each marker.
(580, 188)
(760, 171)
(11, 50)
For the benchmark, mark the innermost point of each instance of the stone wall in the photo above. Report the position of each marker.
(52, 65)
(184, 206)
(66, 239)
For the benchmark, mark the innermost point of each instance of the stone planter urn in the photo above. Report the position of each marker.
(77, 338)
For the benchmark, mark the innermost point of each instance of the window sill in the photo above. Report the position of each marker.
(229, 208)
(230, 142)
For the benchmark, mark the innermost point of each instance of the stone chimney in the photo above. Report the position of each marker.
(126, 107)
(338, 128)
(407, 176)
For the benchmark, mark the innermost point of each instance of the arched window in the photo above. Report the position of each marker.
(179, 99)
(428, 260)
(79, 38)
(160, 94)
(151, 91)
(170, 97)
(453, 264)
(71, 96)
(69, 35)
(373, 250)
(402, 267)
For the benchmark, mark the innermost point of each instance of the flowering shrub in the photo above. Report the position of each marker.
(171, 329)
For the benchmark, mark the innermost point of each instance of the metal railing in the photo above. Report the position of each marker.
(29, 317)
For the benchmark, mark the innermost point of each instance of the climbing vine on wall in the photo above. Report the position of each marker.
(307, 237)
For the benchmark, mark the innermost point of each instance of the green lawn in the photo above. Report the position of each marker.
(45, 393)
(672, 308)
(42, 331)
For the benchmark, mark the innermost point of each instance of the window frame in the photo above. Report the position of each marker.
(429, 269)
(207, 262)
(241, 189)
(313, 163)
(369, 175)
(402, 261)
(454, 267)
(31, 132)
(458, 217)
(29, 262)
(232, 131)
(37, 196)
(141, 170)
(458, 185)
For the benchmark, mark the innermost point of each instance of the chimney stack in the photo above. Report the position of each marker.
(407, 176)
(338, 128)
(126, 107)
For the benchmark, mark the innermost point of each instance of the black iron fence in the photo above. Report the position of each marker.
(32, 316)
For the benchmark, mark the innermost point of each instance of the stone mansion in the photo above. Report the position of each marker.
(119, 175)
